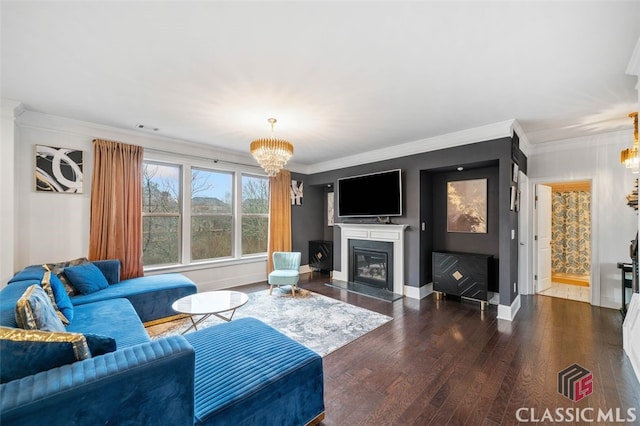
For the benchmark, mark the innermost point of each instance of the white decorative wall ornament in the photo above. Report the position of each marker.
(297, 190)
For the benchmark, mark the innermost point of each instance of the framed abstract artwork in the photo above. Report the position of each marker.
(58, 170)
(467, 206)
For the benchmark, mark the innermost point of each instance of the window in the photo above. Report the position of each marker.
(255, 214)
(196, 214)
(211, 214)
(161, 218)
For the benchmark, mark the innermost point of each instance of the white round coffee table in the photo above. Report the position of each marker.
(210, 303)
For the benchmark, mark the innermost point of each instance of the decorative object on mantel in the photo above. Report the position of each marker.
(330, 211)
(271, 153)
(467, 206)
(632, 199)
(59, 169)
(297, 192)
(629, 156)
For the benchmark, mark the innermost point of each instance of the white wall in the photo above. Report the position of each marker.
(615, 224)
(52, 227)
(7, 204)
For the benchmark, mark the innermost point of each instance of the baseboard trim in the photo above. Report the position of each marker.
(305, 269)
(508, 313)
(609, 302)
(418, 292)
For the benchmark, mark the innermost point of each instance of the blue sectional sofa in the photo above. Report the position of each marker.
(238, 373)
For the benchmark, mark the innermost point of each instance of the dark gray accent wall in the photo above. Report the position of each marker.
(481, 243)
(307, 220)
(418, 177)
(443, 240)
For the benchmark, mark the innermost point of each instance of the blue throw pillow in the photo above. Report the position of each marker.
(58, 269)
(62, 298)
(86, 278)
(99, 344)
(58, 295)
(46, 286)
(34, 311)
(26, 352)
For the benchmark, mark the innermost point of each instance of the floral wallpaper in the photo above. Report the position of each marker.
(571, 232)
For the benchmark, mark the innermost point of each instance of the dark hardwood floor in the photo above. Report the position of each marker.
(446, 362)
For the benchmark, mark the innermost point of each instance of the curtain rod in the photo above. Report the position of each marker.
(215, 160)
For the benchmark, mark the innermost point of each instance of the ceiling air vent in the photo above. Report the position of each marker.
(145, 127)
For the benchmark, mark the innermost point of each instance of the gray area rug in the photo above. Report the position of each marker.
(320, 323)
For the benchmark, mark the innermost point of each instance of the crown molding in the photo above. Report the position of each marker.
(525, 145)
(463, 137)
(155, 143)
(620, 137)
(69, 126)
(12, 109)
(634, 63)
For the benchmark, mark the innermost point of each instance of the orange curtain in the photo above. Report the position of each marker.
(279, 215)
(116, 206)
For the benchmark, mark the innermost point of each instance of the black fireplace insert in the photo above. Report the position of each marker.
(371, 263)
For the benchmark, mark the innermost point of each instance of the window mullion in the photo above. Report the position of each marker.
(186, 214)
(237, 215)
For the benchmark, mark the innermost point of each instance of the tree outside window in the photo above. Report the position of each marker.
(255, 214)
(211, 214)
(161, 218)
(197, 222)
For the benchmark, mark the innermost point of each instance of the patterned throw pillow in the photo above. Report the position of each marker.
(58, 269)
(34, 311)
(26, 352)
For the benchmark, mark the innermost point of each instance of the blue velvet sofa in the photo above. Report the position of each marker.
(238, 373)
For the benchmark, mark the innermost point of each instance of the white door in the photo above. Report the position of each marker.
(543, 237)
(524, 272)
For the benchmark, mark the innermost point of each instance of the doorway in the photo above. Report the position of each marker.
(563, 237)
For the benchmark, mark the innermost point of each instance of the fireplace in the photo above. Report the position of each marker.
(371, 263)
(388, 233)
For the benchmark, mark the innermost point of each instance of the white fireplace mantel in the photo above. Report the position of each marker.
(373, 232)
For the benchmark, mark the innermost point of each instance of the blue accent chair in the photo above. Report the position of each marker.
(286, 270)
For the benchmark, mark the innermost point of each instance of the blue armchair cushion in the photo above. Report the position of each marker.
(284, 277)
(34, 311)
(26, 352)
(86, 278)
(58, 295)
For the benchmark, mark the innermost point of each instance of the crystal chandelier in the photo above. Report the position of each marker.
(271, 153)
(629, 157)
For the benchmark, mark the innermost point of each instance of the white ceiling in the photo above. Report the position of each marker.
(340, 77)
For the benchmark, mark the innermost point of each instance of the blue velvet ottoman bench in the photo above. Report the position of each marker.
(248, 373)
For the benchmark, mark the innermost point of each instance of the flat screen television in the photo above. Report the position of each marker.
(370, 195)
